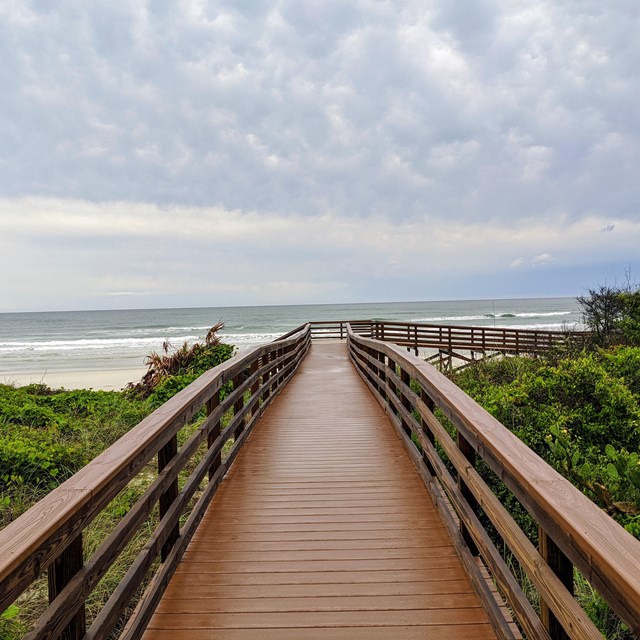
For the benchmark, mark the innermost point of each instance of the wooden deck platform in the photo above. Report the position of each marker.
(323, 529)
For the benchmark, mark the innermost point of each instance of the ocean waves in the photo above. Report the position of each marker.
(96, 344)
(104, 340)
(495, 316)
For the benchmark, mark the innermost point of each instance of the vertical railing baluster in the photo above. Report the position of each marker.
(392, 387)
(469, 453)
(424, 396)
(380, 377)
(212, 405)
(563, 568)
(256, 385)
(383, 374)
(59, 574)
(404, 400)
(369, 369)
(238, 405)
(165, 455)
(266, 376)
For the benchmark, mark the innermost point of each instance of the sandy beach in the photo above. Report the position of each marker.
(108, 380)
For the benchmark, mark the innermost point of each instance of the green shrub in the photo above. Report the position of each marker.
(37, 457)
(580, 413)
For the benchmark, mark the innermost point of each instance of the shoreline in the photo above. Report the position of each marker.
(96, 379)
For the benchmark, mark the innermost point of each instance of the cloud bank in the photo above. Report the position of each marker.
(259, 151)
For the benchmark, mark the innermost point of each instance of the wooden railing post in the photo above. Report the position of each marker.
(406, 379)
(377, 371)
(238, 404)
(212, 405)
(563, 568)
(392, 387)
(59, 574)
(166, 499)
(265, 377)
(469, 453)
(256, 385)
(366, 366)
(427, 430)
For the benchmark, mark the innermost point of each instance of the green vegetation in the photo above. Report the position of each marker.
(48, 435)
(612, 313)
(579, 411)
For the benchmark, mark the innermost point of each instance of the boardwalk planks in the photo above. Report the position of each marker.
(323, 529)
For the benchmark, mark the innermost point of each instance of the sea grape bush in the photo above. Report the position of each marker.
(49, 434)
(581, 414)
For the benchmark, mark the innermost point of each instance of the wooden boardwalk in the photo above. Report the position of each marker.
(322, 529)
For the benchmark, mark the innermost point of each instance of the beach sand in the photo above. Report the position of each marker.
(108, 380)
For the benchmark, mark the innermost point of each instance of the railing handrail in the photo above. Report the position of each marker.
(467, 327)
(607, 555)
(422, 335)
(33, 541)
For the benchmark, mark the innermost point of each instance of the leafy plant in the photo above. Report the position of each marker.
(612, 313)
(186, 361)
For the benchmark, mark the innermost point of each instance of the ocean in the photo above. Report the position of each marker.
(41, 343)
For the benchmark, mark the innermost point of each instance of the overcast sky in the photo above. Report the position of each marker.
(193, 153)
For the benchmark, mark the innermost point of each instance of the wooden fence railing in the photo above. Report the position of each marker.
(49, 537)
(573, 531)
(467, 338)
(334, 329)
(448, 338)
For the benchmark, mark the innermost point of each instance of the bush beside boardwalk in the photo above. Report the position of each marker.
(581, 413)
(49, 434)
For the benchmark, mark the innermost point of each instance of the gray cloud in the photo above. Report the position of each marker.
(412, 112)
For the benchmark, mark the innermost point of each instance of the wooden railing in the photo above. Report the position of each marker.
(448, 338)
(337, 329)
(573, 531)
(467, 338)
(49, 537)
